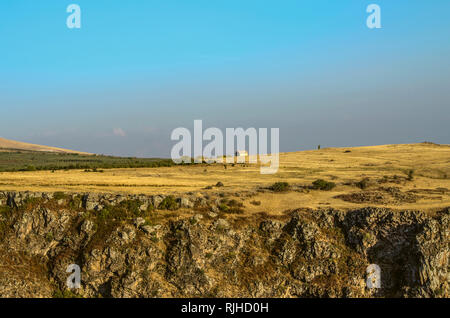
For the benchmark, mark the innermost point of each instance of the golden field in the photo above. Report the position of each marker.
(385, 166)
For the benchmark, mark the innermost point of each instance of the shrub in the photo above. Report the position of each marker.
(75, 202)
(49, 237)
(410, 174)
(254, 202)
(235, 210)
(59, 195)
(65, 294)
(169, 203)
(132, 207)
(5, 214)
(321, 184)
(235, 203)
(193, 221)
(280, 187)
(219, 184)
(363, 184)
(5, 210)
(231, 206)
(223, 207)
(3, 229)
(123, 211)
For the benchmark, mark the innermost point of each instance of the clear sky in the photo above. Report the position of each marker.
(138, 69)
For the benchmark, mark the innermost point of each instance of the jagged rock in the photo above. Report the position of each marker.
(221, 224)
(90, 201)
(147, 229)
(198, 217)
(139, 221)
(313, 253)
(126, 235)
(433, 244)
(87, 227)
(212, 214)
(186, 203)
(157, 199)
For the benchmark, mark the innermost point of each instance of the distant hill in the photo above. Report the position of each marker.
(22, 156)
(11, 145)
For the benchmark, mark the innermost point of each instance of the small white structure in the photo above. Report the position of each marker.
(241, 153)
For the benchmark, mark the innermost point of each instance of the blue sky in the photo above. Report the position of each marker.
(138, 69)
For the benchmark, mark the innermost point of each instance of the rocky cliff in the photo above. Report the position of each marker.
(191, 246)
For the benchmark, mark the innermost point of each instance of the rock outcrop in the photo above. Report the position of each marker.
(125, 248)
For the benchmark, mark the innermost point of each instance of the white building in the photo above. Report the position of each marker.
(241, 153)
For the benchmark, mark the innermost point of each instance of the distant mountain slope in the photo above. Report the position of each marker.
(10, 145)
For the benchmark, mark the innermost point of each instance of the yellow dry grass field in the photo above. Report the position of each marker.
(384, 167)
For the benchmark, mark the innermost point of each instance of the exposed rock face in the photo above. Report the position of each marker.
(321, 253)
(434, 253)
